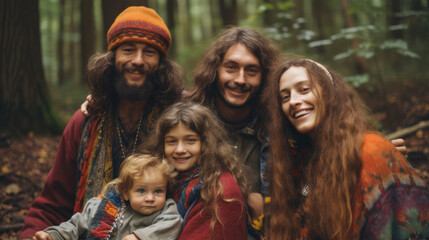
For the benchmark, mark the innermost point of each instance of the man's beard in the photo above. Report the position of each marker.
(134, 93)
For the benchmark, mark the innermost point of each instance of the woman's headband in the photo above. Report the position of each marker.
(323, 68)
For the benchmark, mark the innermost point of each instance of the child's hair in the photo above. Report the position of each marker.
(134, 167)
(217, 156)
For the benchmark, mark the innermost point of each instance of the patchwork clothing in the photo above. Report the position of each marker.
(392, 201)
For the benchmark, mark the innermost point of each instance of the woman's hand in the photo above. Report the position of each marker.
(400, 145)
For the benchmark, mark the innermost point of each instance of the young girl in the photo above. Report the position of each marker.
(331, 176)
(133, 206)
(211, 182)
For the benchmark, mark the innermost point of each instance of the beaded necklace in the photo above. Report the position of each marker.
(120, 139)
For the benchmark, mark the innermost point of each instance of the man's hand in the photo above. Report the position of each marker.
(41, 235)
(255, 201)
(84, 106)
(400, 145)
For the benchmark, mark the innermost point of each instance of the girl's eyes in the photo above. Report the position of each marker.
(174, 141)
(159, 191)
(170, 141)
(141, 191)
(284, 97)
(191, 140)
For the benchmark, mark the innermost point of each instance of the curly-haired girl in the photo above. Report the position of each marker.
(211, 180)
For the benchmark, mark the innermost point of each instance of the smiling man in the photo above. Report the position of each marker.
(130, 86)
(229, 81)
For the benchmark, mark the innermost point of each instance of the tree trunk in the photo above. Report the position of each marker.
(73, 70)
(25, 102)
(269, 17)
(361, 64)
(60, 44)
(87, 32)
(171, 24)
(111, 9)
(393, 7)
(214, 10)
(228, 11)
(187, 27)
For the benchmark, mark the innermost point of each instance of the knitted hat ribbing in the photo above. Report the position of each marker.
(139, 24)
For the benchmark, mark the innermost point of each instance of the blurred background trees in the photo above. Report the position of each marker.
(373, 43)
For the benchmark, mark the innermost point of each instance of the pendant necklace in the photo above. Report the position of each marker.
(120, 139)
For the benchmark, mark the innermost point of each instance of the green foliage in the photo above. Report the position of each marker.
(357, 80)
(378, 41)
(370, 45)
(281, 6)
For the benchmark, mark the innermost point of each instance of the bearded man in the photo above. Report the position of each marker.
(130, 86)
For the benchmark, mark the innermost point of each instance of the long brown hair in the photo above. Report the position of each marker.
(331, 168)
(206, 74)
(217, 156)
(168, 79)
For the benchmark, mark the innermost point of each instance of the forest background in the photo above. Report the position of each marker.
(381, 47)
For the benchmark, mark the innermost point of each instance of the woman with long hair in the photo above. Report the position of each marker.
(331, 175)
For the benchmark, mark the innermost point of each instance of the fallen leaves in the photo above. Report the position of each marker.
(12, 189)
(25, 164)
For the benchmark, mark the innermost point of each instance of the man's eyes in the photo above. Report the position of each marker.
(230, 67)
(150, 51)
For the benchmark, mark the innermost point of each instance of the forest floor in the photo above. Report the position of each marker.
(25, 162)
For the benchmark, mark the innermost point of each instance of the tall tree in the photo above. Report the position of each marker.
(171, 23)
(25, 102)
(393, 7)
(60, 44)
(361, 64)
(88, 32)
(229, 12)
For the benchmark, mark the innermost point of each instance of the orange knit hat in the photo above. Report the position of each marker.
(139, 24)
